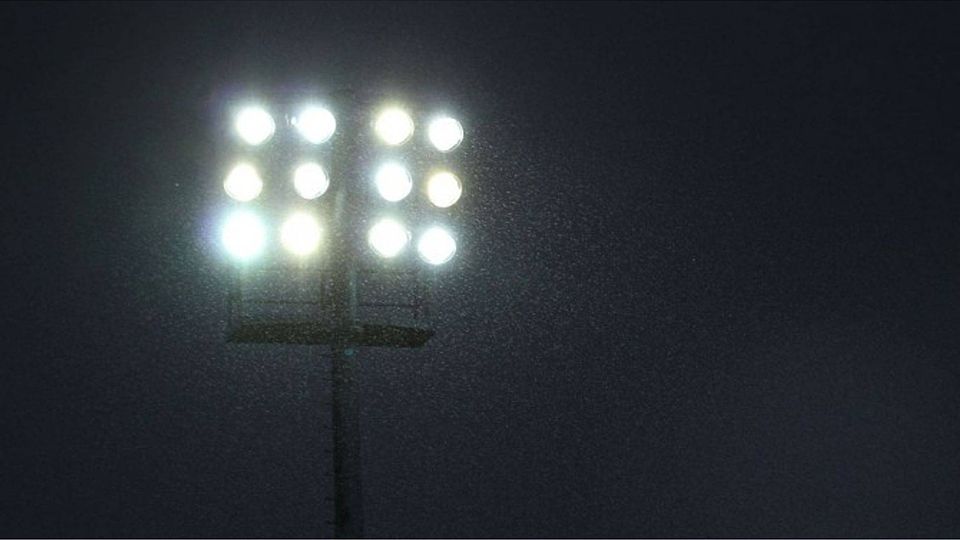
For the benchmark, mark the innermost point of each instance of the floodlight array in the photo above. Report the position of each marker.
(245, 235)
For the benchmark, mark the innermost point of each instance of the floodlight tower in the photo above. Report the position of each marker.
(363, 185)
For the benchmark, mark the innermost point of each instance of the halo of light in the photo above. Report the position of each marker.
(388, 238)
(394, 126)
(243, 183)
(315, 124)
(393, 182)
(254, 125)
(300, 234)
(243, 235)
(445, 133)
(310, 180)
(444, 189)
(436, 246)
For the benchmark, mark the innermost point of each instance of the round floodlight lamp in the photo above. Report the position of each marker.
(254, 125)
(436, 246)
(388, 238)
(243, 183)
(445, 133)
(243, 235)
(300, 234)
(444, 189)
(394, 126)
(310, 180)
(393, 182)
(315, 124)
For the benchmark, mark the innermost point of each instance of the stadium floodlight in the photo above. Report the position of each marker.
(444, 189)
(300, 234)
(243, 235)
(315, 124)
(393, 182)
(243, 183)
(394, 126)
(436, 246)
(310, 180)
(322, 162)
(445, 133)
(254, 125)
(388, 238)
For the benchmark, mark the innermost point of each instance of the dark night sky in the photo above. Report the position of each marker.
(709, 284)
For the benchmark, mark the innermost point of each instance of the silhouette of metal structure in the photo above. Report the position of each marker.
(343, 331)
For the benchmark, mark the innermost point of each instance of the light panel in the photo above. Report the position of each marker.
(243, 234)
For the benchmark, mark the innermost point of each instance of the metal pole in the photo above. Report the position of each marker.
(347, 497)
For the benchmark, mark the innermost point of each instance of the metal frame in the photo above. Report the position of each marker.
(242, 328)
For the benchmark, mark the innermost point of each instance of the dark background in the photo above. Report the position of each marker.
(709, 284)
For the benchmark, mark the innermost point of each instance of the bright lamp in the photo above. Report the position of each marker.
(300, 234)
(315, 124)
(243, 235)
(436, 246)
(388, 238)
(310, 180)
(243, 183)
(394, 126)
(254, 125)
(445, 133)
(444, 189)
(393, 182)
